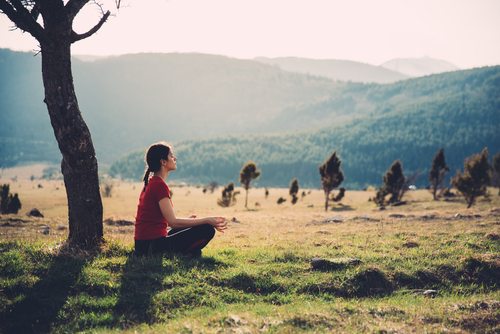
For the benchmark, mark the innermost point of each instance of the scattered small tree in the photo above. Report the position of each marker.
(248, 173)
(14, 204)
(394, 179)
(395, 184)
(294, 189)
(331, 175)
(9, 203)
(475, 179)
(4, 204)
(107, 185)
(438, 171)
(495, 172)
(228, 196)
(212, 186)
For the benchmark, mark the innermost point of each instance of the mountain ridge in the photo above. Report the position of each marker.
(132, 101)
(343, 70)
(419, 67)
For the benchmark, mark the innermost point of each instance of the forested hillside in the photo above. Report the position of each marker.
(132, 100)
(357, 99)
(25, 131)
(459, 111)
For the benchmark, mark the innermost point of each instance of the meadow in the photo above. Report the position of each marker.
(427, 266)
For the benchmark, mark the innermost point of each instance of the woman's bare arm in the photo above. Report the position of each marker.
(168, 212)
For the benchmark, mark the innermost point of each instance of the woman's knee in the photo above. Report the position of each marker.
(207, 230)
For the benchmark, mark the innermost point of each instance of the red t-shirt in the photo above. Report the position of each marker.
(149, 221)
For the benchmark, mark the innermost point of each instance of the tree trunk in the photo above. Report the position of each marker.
(79, 162)
(327, 195)
(246, 199)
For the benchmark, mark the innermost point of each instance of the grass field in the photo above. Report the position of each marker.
(427, 266)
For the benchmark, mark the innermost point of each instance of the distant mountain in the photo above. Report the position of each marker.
(419, 67)
(89, 58)
(134, 100)
(411, 121)
(343, 70)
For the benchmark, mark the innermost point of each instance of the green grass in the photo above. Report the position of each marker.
(266, 283)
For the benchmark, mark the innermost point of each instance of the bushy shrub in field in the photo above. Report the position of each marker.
(228, 196)
(476, 177)
(9, 203)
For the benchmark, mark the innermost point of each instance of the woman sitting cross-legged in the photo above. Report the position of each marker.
(156, 211)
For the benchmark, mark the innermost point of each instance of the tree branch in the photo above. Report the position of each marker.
(74, 6)
(77, 37)
(35, 11)
(22, 18)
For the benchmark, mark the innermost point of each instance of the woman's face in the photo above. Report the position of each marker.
(171, 162)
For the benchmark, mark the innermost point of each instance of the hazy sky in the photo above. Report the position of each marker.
(463, 32)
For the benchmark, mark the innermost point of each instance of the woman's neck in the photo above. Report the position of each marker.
(163, 174)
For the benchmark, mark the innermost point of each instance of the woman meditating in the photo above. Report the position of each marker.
(156, 211)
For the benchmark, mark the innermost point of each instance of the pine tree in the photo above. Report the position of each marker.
(331, 175)
(294, 190)
(495, 172)
(9, 203)
(475, 179)
(394, 180)
(14, 204)
(228, 196)
(438, 171)
(395, 184)
(4, 195)
(248, 173)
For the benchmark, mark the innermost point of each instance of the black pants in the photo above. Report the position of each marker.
(189, 240)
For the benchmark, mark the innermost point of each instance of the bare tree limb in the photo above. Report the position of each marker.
(22, 18)
(35, 11)
(74, 6)
(77, 37)
(7, 9)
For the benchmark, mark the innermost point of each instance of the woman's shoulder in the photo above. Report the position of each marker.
(157, 184)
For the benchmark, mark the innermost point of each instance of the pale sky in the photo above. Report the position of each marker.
(463, 32)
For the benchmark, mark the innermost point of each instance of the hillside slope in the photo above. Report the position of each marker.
(459, 111)
(133, 100)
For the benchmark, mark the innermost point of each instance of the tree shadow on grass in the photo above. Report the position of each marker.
(144, 277)
(341, 208)
(42, 307)
(37, 307)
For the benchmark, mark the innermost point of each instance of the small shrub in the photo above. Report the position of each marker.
(107, 186)
(475, 179)
(228, 196)
(9, 203)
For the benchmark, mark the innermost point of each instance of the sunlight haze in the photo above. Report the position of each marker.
(465, 33)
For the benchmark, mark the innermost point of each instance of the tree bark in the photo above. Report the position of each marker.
(327, 195)
(79, 162)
